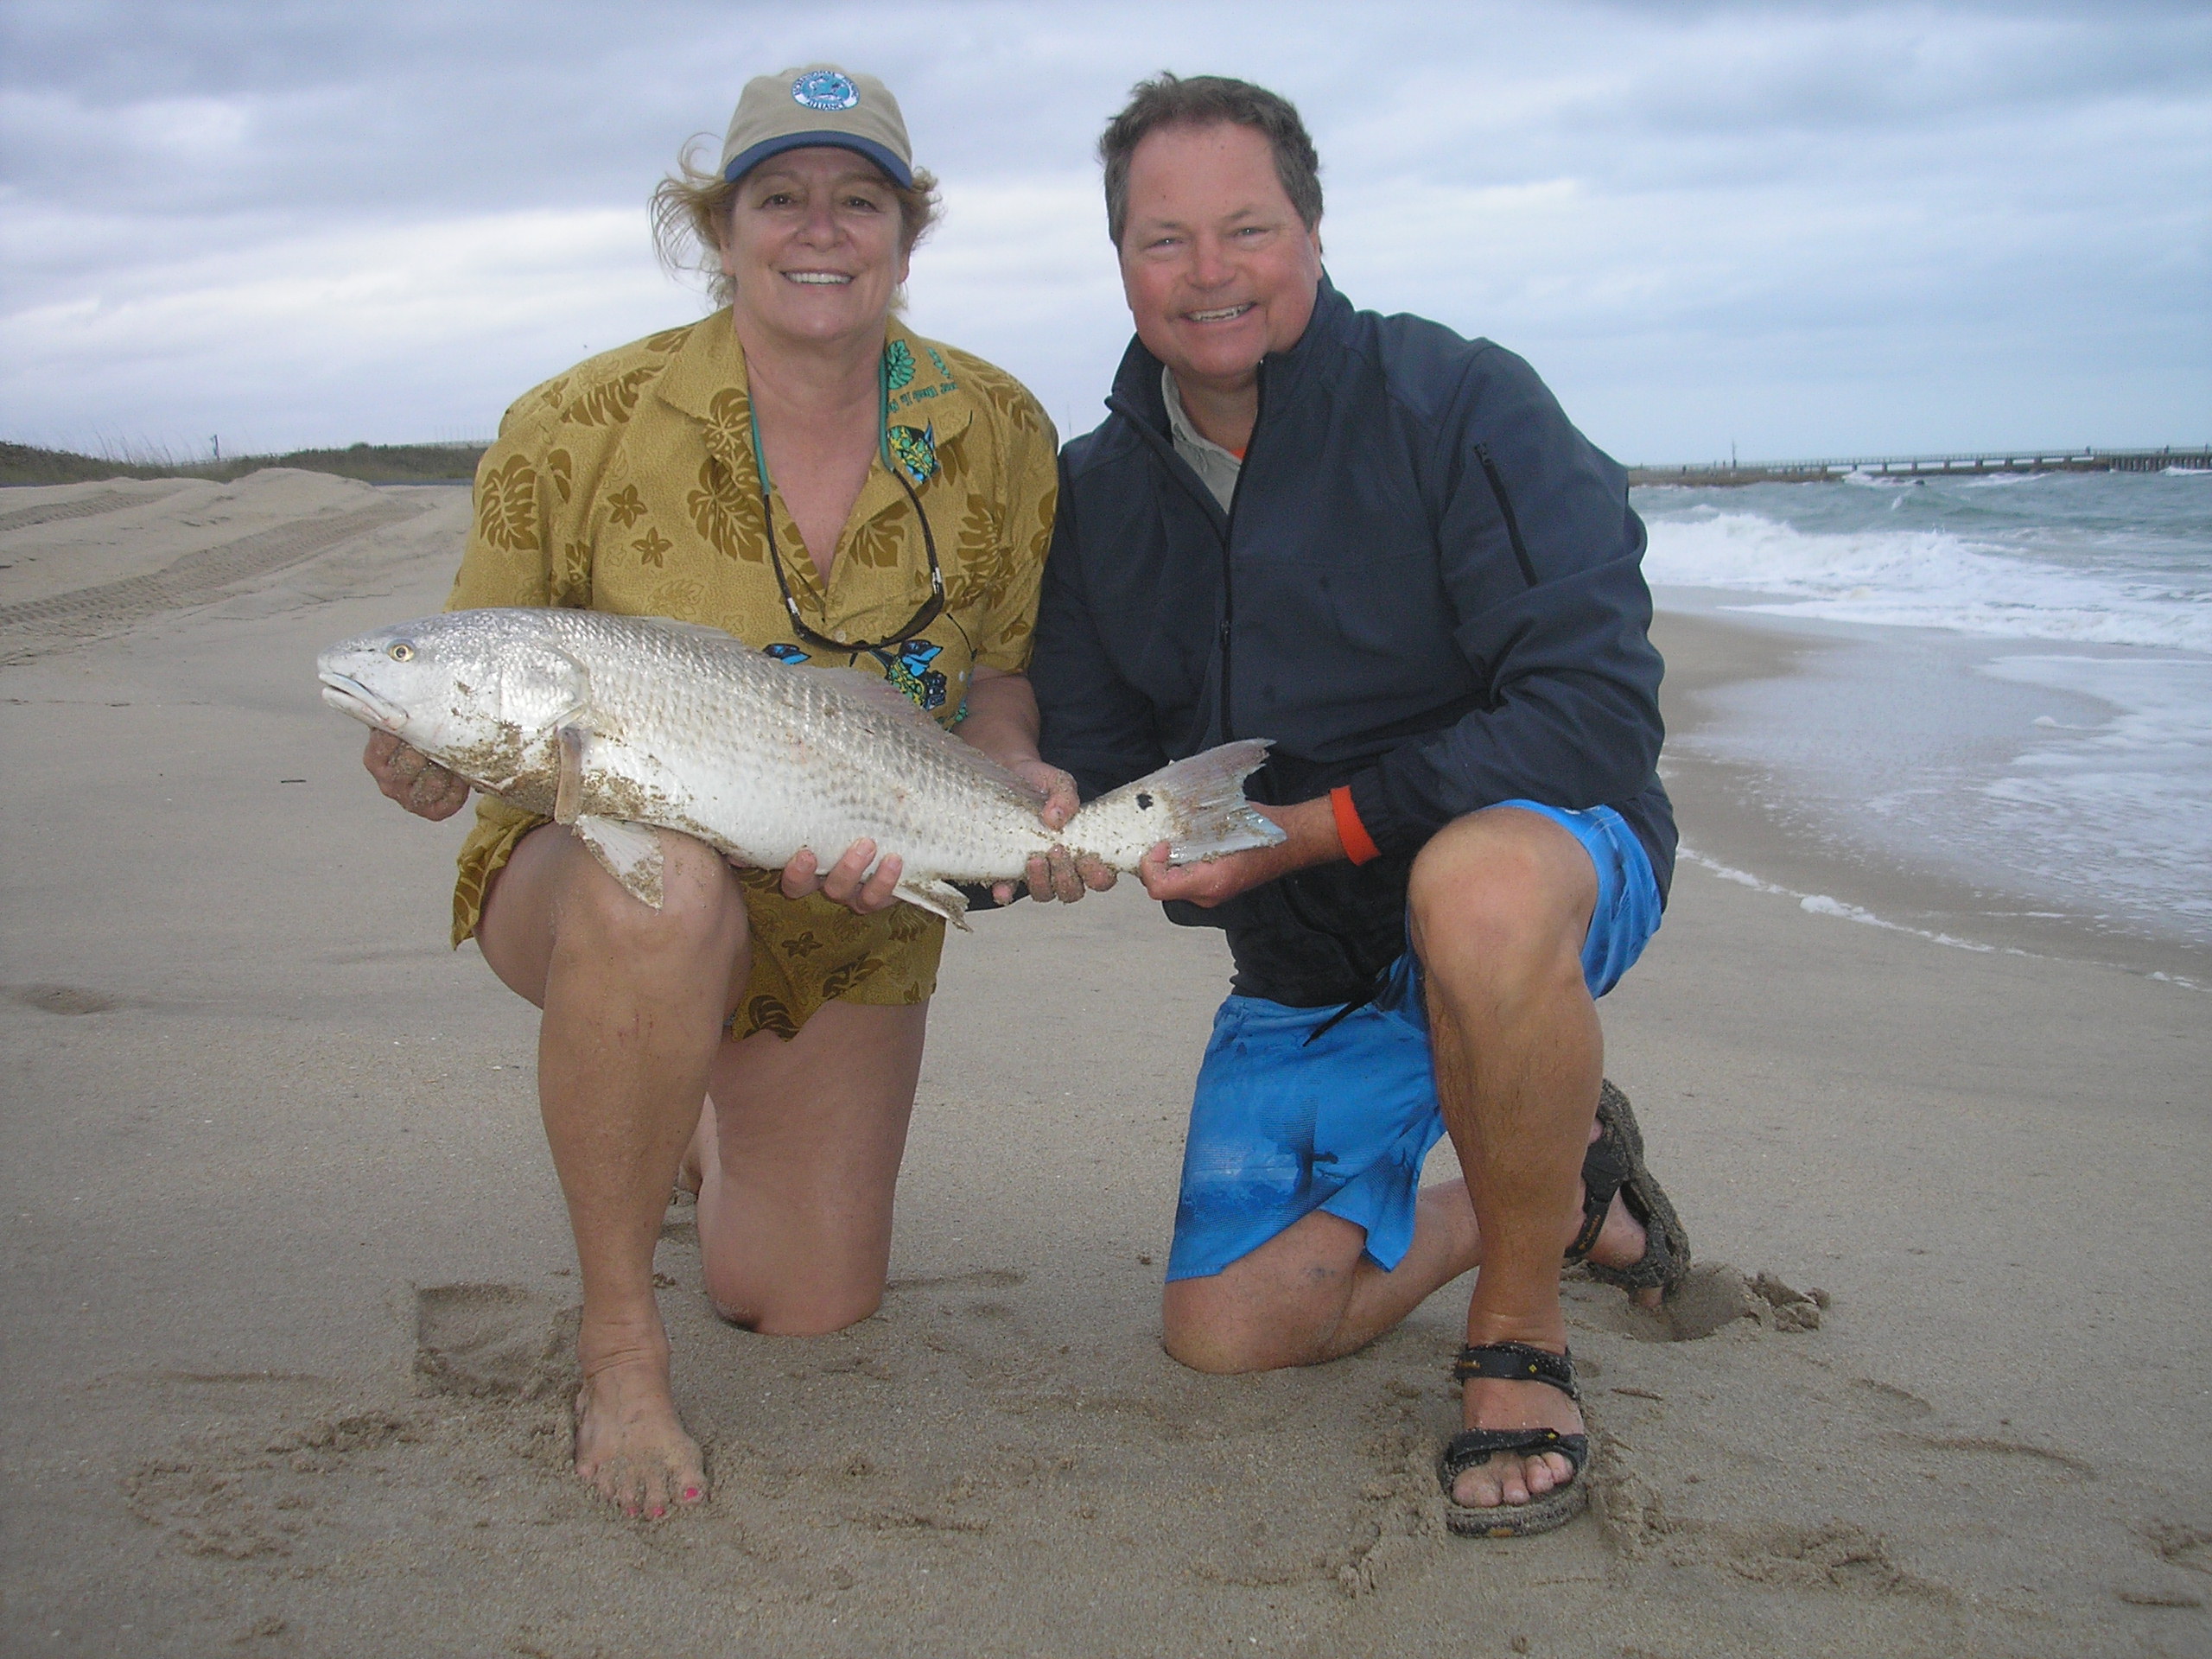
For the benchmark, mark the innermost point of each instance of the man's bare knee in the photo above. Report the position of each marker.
(1220, 1326)
(1281, 1305)
(1211, 1332)
(1503, 895)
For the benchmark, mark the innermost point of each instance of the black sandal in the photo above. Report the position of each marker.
(1614, 1163)
(1516, 1362)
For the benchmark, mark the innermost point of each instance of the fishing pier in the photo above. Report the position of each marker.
(2001, 460)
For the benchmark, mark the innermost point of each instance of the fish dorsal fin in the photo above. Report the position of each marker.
(879, 696)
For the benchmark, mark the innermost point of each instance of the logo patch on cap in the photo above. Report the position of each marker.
(824, 89)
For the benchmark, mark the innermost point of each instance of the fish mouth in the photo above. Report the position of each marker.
(349, 696)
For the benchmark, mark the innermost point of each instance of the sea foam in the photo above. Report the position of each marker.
(1922, 578)
(2087, 779)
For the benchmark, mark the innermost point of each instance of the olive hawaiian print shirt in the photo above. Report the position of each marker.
(629, 485)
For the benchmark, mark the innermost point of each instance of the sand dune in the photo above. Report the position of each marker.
(288, 1281)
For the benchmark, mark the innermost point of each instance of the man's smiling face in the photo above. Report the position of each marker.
(1217, 267)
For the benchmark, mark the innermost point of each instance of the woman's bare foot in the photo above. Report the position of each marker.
(631, 1445)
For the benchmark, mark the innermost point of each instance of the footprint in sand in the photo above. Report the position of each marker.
(1839, 1556)
(491, 1340)
(1887, 1399)
(2180, 1546)
(64, 999)
(2185, 1547)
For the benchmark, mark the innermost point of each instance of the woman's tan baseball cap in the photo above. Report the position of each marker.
(819, 104)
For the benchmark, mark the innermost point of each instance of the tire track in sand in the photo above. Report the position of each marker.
(40, 627)
(84, 506)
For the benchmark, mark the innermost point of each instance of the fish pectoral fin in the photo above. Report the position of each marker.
(569, 787)
(627, 851)
(939, 898)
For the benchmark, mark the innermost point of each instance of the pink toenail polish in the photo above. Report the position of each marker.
(690, 1494)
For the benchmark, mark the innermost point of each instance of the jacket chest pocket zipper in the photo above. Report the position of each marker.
(1505, 512)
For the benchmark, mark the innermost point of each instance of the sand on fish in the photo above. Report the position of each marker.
(290, 1288)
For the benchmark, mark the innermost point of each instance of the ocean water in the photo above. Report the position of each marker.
(2017, 686)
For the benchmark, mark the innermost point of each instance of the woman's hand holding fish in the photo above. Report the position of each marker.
(1058, 873)
(412, 778)
(847, 882)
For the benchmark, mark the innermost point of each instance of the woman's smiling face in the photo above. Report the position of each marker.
(814, 245)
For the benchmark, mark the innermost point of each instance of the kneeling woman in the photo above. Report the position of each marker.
(801, 470)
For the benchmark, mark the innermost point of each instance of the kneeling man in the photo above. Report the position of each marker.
(1384, 547)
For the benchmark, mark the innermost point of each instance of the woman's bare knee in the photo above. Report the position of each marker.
(551, 890)
(702, 911)
(796, 1310)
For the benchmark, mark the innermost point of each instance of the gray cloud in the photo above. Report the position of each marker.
(1799, 227)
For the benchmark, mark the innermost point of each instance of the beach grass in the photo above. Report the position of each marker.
(373, 463)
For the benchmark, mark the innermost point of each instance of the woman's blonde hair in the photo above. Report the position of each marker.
(691, 215)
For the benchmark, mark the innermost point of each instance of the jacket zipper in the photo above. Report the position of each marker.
(1287, 886)
(1229, 542)
(1505, 510)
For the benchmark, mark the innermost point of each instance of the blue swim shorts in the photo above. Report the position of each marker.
(1285, 1121)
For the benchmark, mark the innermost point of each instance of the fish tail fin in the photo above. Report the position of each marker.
(1198, 803)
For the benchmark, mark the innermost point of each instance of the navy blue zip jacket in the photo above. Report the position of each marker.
(1428, 588)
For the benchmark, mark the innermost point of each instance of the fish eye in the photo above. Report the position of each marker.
(400, 652)
(1144, 802)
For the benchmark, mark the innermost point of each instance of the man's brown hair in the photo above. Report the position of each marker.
(1170, 100)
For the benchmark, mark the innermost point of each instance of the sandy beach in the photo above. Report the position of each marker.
(289, 1283)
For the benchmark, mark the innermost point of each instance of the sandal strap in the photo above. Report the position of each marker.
(1605, 1172)
(1608, 1164)
(1477, 1446)
(1516, 1362)
(1615, 1163)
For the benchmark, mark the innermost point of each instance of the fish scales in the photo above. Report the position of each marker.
(715, 737)
(619, 724)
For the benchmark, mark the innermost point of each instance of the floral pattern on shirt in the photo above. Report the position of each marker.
(629, 485)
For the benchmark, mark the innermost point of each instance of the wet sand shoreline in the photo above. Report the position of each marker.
(1747, 820)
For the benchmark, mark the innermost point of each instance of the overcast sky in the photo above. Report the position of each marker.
(1803, 229)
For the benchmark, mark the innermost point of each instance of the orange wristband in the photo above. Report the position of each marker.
(1359, 846)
